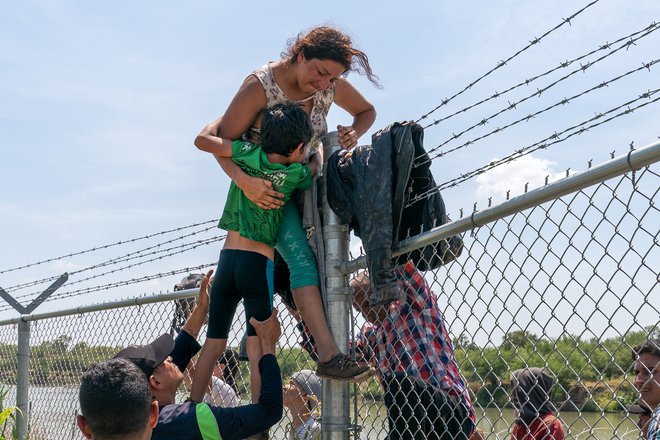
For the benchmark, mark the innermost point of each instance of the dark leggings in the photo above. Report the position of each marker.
(416, 410)
(240, 275)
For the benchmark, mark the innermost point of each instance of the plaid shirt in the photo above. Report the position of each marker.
(413, 339)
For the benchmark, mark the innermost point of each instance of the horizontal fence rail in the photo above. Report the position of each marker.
(561, 278)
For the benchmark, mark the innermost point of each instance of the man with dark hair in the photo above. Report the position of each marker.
(646, 369)
(116, 402)
(164, 360)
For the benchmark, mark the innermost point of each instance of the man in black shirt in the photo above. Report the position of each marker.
(164, 360)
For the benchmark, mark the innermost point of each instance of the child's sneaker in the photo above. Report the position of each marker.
(342, 367)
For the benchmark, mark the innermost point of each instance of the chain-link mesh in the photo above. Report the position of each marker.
(570, 286)
(61, 349)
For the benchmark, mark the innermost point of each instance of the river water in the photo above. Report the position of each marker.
(53, 413)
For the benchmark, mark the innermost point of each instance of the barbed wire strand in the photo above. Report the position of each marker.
(504, 62)
(564, 101)
(110, 261)
(63, 295)
(529, 81)
(180, 250)
(580, 128)
(107, 246)
(142, 279)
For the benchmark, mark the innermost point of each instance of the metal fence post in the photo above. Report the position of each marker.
(23, 379)
(335, 421)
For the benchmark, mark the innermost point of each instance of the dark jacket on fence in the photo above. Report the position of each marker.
(371, 188)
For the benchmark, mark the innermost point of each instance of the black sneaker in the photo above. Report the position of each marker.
(342, 367)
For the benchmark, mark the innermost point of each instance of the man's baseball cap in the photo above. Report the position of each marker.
(309, 383)
(148, 357)
(639, 409)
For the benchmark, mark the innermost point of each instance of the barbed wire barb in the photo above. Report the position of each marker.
(651, 27)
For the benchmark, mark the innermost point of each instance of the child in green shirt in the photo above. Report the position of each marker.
(245, 267)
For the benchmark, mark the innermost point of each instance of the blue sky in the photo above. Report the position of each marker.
(99, 104)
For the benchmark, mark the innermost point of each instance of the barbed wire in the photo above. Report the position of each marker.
(107, 246)
(528, 81)
(484, 121)
(181, 249)
(542, 144)
(111, 261)
(85, 290)
(504, 62)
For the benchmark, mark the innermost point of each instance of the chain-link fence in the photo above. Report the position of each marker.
(565, 282)
(570, 286)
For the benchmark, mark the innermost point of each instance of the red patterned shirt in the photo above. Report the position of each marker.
(413, 339)
(547, 427)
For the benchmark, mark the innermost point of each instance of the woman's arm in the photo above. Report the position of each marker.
(208, 141)
(363, 112)
(244, 108)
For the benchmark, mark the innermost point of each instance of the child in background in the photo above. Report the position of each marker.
(531, 397)
(245, 267)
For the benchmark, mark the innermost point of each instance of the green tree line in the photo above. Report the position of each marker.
(592, 374)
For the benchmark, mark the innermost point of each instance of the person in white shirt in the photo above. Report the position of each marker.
(222, 390)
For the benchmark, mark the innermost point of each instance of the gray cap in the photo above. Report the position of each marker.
(309, 383)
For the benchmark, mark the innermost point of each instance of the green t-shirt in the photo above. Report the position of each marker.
(240, 213)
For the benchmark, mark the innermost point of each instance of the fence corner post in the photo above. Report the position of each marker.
(23, 379)
(335, 422)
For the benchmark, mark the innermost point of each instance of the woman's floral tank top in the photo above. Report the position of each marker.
(322, 100)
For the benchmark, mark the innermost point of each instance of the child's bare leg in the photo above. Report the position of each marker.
(310, 306)
(211, 352)
(254, 355)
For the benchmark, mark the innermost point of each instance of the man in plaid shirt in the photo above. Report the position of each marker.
(408, 343)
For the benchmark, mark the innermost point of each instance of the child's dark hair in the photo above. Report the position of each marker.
(284, 127)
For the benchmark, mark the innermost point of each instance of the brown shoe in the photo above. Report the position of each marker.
(342, 367)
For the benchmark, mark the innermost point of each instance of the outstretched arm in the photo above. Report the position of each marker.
(247, 420)
(363, 112)
(185, 344)
(197, 317)
(209, 141)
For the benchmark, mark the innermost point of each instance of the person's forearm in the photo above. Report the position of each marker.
(247, 420)
(267, 347)
(196, 320)
(185, 348)
(232, 170)
(362, 122)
